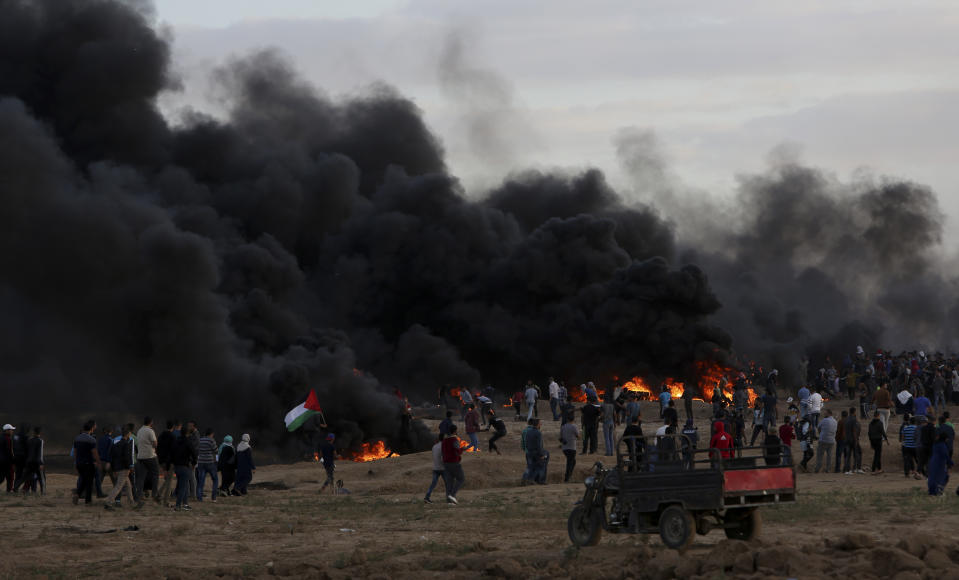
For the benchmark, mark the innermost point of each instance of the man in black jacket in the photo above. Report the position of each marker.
(876, 436)
(184, 458)
(123, 461)
(590, 418)
(165, 442)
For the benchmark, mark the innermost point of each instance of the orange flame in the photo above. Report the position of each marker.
(371, 452)
(316, 456)
(710, 378)
(464, 444)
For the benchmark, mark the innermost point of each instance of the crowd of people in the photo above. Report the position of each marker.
(828, 441)
(132, 462)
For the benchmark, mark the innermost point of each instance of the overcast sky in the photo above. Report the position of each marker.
(511, 84)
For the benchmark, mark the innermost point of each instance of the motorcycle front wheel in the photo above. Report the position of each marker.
(585, 529)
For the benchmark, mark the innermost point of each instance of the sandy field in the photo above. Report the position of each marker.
(860, 526)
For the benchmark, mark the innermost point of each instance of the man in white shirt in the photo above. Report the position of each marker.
(554, 398)
(815, 408)
(532, 393)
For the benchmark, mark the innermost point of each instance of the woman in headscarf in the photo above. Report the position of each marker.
(226, 463)
(244, 465)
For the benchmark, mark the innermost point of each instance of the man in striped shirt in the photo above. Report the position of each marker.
(206, 464)
(909, 437)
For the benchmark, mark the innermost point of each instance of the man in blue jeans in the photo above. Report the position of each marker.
(537, 458)
(439, 470)
(206, 464)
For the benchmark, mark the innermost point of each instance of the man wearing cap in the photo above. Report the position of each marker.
(6, 456)
(328, 457)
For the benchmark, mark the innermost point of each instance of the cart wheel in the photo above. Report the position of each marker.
(584, 530)
(676, 527)
(748, 524)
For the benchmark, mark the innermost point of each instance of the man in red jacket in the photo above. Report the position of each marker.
(451, 463)
(786, 434)
(721, 440)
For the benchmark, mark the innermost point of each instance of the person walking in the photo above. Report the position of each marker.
(609, 422)
(852, 463)
(472, 422)
(165, 443)
(206, 465)
(148, 467)
(939, 464)
(184, 458)
(590, 421)
(7, 463)
(87, 462)
(536, 454)
(554, 398)
(532, 393)
(34, 473)
(827, 440)
(123, 462)
(909, 439)
(452, 464)
(328, 458)
(877, 434)
(245, 467)
(569, 438)
(884, 404)
(439, 470)
(815, 409)
(226, 463)
(104, 448)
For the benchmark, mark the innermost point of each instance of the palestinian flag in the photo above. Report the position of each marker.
(299, 414)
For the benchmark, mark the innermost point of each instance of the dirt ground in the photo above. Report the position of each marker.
(860, 526)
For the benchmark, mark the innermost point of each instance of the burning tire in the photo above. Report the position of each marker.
(676, 527)
(747, 524)
(584, 530)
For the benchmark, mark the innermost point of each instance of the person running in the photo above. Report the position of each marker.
(439, 470)
(87, 462)
(569, 438)
(244, 465)
(226, 463)
(206, 465)
(452, 464)
(877, 434)
(499, 431)
(124, 462)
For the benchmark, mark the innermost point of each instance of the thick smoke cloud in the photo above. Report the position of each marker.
(806, 264)
(220, 268)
